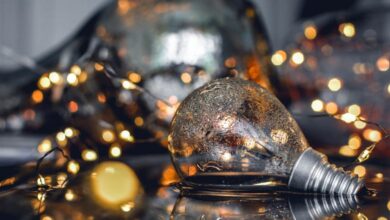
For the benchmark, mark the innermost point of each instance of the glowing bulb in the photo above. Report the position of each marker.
(331, 108)
(317, 105)
(37, 96)
(354, 109)
(360, 170)
(70, 132)
(383, 64)
(388, 88)
(72, 79)
(297, 58)
(135, 77)
(232, 128)
(75, 69)
(55, 77)
(126, 136)
(310, 32)
(186, 78)
(334, 84)
(108, 136)
(348, 117)
(73, 167)
(278, 57)
(126, 84)
(372, 135)
(44, 83)
(347, 29)
(115, 185)
(69, 195)
(44, 146)
(115, 150)
(139, 121)
(89, 155)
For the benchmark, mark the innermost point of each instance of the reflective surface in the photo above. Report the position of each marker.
(74, 200)
(232, 133)
(173, 47)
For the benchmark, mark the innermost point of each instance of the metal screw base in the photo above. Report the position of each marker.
(313, 173)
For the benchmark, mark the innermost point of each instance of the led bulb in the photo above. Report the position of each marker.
(233, 134)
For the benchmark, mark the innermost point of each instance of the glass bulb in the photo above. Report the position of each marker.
(233, 134)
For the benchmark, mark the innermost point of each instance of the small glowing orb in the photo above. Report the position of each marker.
(73, 167)
(226, 156)
(114, 184)
(317, 105)
(334, 84)
(297, 58)
(89, 155)
(360, 170)
(186, 77)
(383, 64)
(55, 78)
(115, 150)
(108, 136)
(278, 58)
(347, 29)
(354, 109)
(44, 83)
(72, 79)
(310, 32)
(44, 146)
(37, 96)
(372, 135)
(331, 108)
(135, 77)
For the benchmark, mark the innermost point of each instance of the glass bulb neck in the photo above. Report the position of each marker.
(313, 173)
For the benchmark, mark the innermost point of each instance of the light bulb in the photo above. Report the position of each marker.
(233, 134)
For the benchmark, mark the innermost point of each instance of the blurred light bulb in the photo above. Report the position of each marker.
(229, 120)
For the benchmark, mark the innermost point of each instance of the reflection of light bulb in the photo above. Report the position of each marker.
(264, 207)
(234, 134)
(114, 185)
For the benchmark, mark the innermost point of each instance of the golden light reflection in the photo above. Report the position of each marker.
(317, 105)
(359, 124)
(334, 84)
(75, 69)
(347, 151)
(44, 82)
(44, 146)
(310, 32)
(115, 150)
(354, 141)
(73, 167)
(46, 217)
(361, 216)
(372, 135)
(360, 171)
(37, 96)
(388, 88)
(388, 205)
(89, 155)
(60, 137)
(70, 195)
(278, 58)
(126, 84)
(226, 156)
(114, 184)
(98, 67)
(127, 207)
(279, 136)
(70, 132)
(126, 136)
(354, 109)
(347, 29)
(348, 117)
(108, 136)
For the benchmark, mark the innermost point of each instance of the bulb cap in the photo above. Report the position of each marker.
(313, 173)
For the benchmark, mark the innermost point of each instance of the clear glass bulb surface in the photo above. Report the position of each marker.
(233, 134)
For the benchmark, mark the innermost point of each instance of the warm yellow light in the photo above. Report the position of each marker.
(381, 218)
(310, 32)
(37, 96)
(101, 97)
(73, 167)
(99, 67)
(89, 155)
(72, 79)
(249, 143)
(61, 136)
(388, 205)
(44, 146)
(372, 135)
(383, 64)
(115, 150)
(83, 77)
(360, 170)
(69, 195)
(46, 217)
(126, 84)
(334, 84)
(348, 117)
(61, 178)
(185, 77)
(139, 121)
(75, 69)
(108, 136)
(331, 108)
(73, 106)
(135, 77)
(347, 29)
(297, 58)
(359, 124)
(226, 156)
(55, 78)
(41, 181)
(44, 83)
(388, 88)
(70, 132)
(354, 109)
(41, 196)
(114, 184)
(278, 58)
(354, 142)
(126, 136)
(347, 151)
(317, 105)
